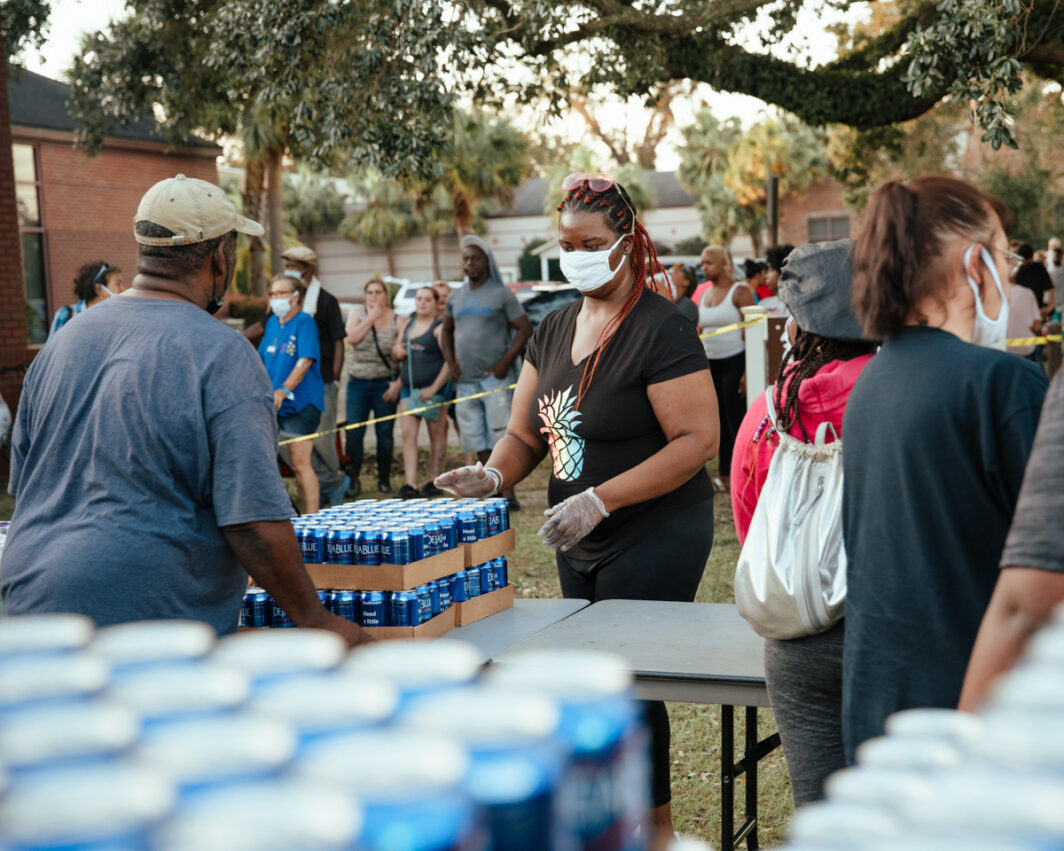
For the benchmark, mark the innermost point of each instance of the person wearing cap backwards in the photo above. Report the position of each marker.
(804, 675)
(301, 264)
(143, 465)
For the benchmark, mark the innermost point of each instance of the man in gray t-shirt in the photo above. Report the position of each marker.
(484, 332)
(1031, 583)
(143, 458)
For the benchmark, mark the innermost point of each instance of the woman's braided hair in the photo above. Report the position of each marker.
(809, 354)
(615, 206)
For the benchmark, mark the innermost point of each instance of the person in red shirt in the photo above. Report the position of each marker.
(804, 675)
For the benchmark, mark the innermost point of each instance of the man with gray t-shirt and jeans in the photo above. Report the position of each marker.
(144, 451)
(484, 332)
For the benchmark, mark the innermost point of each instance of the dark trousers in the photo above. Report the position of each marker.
(666, 565)
(363, 396)
(727, 374)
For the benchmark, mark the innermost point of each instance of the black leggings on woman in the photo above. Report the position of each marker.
(665, 565)
(727, 376)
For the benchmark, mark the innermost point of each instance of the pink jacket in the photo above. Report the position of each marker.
(821, 397)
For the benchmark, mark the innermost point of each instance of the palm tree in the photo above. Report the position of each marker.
(313, 203)
(264, 147)
(384, 214)
(435, 217)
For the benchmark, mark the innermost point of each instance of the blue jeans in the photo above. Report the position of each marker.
(365, 395)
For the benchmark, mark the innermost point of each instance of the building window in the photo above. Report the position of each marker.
(31, 229)
(823, 228)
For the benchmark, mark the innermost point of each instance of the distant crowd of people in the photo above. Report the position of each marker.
(146, 482)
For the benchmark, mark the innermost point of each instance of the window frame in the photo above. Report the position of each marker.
(40, 228)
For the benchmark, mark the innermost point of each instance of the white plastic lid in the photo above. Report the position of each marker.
(876, 786)
(37, 737)
(385, 762)
(145, 642)
(273, 816)
(309, 701)
(1038, 687)
(485, 715)
(155, 693)
(410, 665)
(829, 823)
(564, 673)
(1047, 645)
(84, 805)
(948, 724)
(912, 752)
(264, 653)
(57, 633)
(1022, 739)
(25, 680)
(214, 749)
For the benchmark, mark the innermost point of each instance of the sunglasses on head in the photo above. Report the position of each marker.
(600, 181)
(103, 270)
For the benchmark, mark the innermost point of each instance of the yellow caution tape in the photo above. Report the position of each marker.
(1034, 341)
(735, 327)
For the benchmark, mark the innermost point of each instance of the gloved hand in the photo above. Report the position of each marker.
(475, 481)
(571, 521)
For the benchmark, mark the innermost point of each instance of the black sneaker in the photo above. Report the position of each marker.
(514, 504)
(430, 490)
(408, 492)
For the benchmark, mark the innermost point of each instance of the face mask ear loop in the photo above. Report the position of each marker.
(988, 259)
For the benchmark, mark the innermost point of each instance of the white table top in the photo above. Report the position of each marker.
(497, 632)
(693, 652)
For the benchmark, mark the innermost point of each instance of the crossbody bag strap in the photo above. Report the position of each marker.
(377, 345)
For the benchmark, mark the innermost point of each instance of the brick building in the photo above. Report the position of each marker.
(74, 209)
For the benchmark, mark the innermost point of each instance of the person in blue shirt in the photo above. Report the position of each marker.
(292, 355)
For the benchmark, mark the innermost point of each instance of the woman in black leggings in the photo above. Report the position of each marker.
(616, 388)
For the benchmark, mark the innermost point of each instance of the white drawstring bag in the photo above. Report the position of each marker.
(791, 577)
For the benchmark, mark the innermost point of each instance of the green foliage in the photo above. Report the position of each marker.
(1025, 193)
(313, 204)
(23, 23)
(384, 213)
(530, 269)
(728, 168)
(690, 247)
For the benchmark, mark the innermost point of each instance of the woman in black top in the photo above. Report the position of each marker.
(616, 387)
(423, 379)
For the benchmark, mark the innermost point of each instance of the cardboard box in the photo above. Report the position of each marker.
(443, 623)
(480, 607)
(489, 548)
(386, 577)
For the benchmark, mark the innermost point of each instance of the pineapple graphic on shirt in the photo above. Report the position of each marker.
(560, 419)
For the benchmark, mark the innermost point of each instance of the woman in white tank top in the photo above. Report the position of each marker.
(717, 308)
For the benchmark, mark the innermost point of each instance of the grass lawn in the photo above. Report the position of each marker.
(695, 728)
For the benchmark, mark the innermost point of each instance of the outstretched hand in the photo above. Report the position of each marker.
(472, 481)
(572, 520)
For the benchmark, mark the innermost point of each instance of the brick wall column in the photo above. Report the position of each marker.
(14, 338)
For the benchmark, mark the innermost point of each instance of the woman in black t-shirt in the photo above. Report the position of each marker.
(616, 387)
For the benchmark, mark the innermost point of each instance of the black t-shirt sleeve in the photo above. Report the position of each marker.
(333, 318)
(673, 348)
(1036, 538)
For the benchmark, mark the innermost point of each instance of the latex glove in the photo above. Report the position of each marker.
(572, 520)
(475, 481)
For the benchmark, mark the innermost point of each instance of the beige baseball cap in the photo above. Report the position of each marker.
(194, 210)
(301, 254)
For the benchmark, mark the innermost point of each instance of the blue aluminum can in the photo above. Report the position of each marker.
(449, 530)
(486, 585)
(501, 571)
(367, 545)
(433, 538)
(504, 511)
(346, 605)
(457, 583)
(434, 595)
(403, 608)
(424, 604)
(417, 541)
(256, 609)
(279, 617)
(395, 546)
(374, 612)
(472, 585)
(494, 518)
(467, 527)
(443, 588)
(481, 515)
(325, 598)
(339, 545)
(316, 545)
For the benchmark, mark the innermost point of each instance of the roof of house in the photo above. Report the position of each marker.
(38, 101)
(530, 197)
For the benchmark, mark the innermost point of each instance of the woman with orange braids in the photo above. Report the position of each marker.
(617, 388)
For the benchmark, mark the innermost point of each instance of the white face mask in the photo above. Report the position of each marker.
(294, 274)
(280, 306)
(590, 270)
(987, 332)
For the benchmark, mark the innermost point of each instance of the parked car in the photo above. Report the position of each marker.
(403, 302)
(542, 299)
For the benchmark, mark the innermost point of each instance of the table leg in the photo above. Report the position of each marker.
(754, 751)
(727, 778)
(751, 777)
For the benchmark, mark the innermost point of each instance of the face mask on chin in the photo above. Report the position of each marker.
(590, 270)
(987, 332)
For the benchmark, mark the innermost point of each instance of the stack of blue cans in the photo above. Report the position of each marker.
(385, 608)
(392, 531)
(287, 741)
